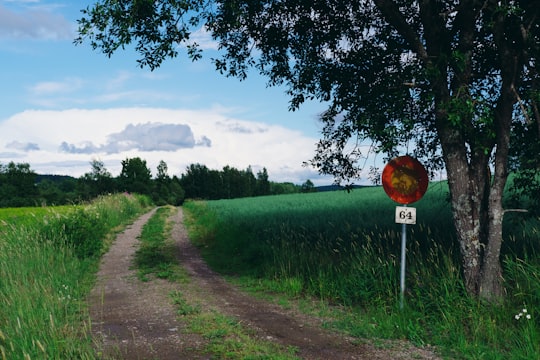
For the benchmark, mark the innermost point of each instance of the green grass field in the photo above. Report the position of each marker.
(29, 215)
(48, 258)
(340, 248)
(343, 248)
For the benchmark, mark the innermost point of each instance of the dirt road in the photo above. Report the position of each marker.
(136, 320)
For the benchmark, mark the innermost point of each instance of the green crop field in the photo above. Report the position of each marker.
(344, 249)
(29, 215)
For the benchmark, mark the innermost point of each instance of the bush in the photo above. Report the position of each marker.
(85, 233)
(84, 228)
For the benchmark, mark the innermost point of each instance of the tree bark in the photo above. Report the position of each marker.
(466, 181)
(477, 200)
(490, 287)
(490, 283)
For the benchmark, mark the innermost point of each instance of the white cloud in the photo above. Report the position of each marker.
(119, 80)
(37, 24)
(204, 39)
(16, 145)
(64, 142)
(74, 92)
(142, 137)
(55, 87)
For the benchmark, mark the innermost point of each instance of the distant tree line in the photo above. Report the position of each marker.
(21, 186)
(17, 185)
(200, 182)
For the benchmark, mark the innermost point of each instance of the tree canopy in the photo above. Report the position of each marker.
(200, 182)
(17, 185)
(446, 79)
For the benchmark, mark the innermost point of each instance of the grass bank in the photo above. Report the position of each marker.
(343, 248)
(49, 257)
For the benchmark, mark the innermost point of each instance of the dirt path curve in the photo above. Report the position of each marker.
(135, 320)
(132, 319)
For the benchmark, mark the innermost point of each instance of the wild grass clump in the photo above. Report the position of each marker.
(156, 254)
(46, 272)
(225, 337)
(345, 250)
(83, 228)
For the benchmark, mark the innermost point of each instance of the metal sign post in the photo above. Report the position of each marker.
(404, 215)
(402, 273)
(405, 181)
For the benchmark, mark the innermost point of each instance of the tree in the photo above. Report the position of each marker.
(17, 185)
(201, 182)
(162, 172)
(57, 189)
(167, 190)
(237, 183)
(284, 188)
(98, 181)
(135, 176)
(308, 187)
(449, 76)
(161, 192)
(50, 193)
(263, 185)
(250, 182)
(177, 194)
(196, 181)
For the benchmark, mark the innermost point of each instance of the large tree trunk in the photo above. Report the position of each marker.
(478, 213)
(477, 199)
(468, 190)
(490, 286)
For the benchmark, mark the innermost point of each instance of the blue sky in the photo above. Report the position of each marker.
(65, 105)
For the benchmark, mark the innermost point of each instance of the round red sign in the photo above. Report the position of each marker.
(405, 180)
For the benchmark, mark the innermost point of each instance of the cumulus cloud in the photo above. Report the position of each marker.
(86, 148)
(235, 126)
(204, 141)
(142, 137)
(36, 24)
(70, 139)
(16, 145)
(155, 137)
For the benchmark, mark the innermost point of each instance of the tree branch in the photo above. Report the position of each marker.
(395, 18)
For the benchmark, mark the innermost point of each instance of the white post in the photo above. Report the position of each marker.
(403, 251)
(404, 215)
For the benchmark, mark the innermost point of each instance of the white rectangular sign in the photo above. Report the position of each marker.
(405, 215)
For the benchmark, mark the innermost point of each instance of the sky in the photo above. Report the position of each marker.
(65, 105)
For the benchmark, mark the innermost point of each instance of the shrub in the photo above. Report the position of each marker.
(83, 228)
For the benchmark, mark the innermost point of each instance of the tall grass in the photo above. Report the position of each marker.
(344, 249)
(156, 254)
(46, 271)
